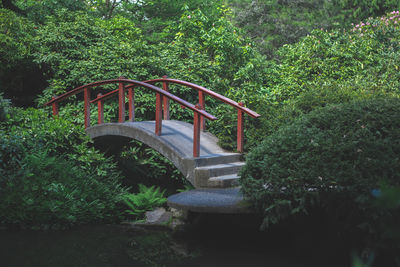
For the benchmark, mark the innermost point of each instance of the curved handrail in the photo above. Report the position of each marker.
(80, 89)
(199, 109)
(191, 85)
(208, 92)
(160, 93)
(201, 91)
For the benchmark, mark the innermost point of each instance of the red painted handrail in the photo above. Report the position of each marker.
(201, 90)
(160, 93)
(191, 85)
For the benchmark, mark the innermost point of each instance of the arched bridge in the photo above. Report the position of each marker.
(192, 150)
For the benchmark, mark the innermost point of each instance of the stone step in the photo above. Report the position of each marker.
(203, 174)
(223, 181)
(215, 159)
(220, 169)
(211, 200)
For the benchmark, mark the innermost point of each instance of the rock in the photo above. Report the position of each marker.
(178, 213)
(160, 219)
(158, 216)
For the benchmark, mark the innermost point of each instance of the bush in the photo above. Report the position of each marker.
(48, 190)
(333, 157)
(50, 175)
(317, 96)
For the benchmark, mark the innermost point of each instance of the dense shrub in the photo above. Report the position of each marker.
(315, 97)
(48, 190)
(335, 158)
(50, 175)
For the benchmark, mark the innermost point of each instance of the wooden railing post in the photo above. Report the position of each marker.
(100, 110)
(166, 100)
(158, 114)
(131, 98)
(196, 133)
(121, 101)
(86, 94)
(202, 105)
(240, 131)
(55, 107)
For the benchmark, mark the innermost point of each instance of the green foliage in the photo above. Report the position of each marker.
(4, 107)
(324, 57)
(39, 187)
(11, 154)
(79, 49)
(59, 137)
(148, 166)
(19, 76)
(157, 17)
(315, 97)
(272, 24)
(354, 10)
(52, 191)
(16, 35)
(329, 67)
(332, 158)
(37, 11)
(146, 199)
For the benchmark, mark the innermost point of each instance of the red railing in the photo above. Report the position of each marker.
(160, 94)
(201, 104)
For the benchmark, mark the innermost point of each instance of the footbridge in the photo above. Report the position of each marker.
(195, 152)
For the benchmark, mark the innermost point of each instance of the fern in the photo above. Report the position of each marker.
(146, 199)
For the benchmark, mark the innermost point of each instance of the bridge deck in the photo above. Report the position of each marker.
(177, 135)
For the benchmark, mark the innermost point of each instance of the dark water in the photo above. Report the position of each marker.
(208, 241)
